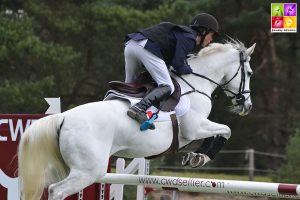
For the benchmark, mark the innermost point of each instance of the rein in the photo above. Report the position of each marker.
(193, 88)
(240, 98)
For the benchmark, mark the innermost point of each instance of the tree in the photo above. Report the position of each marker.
(66, 49)
(274, 96)
(289, 172)
(31, 69)
(73, 48)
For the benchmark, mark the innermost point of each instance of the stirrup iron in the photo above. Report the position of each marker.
(148, 123)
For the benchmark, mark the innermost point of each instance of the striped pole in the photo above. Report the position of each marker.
(231, 187)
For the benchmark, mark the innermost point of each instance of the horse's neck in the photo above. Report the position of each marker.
(210, 70)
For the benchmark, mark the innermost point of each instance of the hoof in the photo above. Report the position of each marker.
(186, 158)
(198, 160)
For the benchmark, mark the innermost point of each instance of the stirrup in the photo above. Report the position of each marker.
(148, 123)
(137, 114)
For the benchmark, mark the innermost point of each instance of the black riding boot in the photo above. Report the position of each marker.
(138, 111)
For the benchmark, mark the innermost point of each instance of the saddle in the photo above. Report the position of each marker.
(143, 86)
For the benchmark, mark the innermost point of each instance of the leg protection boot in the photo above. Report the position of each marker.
(216, 146)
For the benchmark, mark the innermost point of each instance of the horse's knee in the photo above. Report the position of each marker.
(227, 133)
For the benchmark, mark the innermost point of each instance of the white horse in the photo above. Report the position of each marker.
(67, 152)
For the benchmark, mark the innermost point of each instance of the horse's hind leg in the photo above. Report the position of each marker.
(82, 174)
(87, 163)
(76, 181)
(84, 153)
(79, 178)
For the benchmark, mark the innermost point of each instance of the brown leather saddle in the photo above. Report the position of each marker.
(143, 85)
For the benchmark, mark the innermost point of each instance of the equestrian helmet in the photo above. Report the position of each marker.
(206, 21)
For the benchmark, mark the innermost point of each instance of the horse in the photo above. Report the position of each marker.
(69, 151)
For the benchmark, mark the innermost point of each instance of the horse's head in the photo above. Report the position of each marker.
(236, 82)
(225, 66)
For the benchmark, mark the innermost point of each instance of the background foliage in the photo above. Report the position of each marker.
(289, 171)
(72, 48)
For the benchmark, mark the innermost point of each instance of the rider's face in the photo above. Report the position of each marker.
(208, 38)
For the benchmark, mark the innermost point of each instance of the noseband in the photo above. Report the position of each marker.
(240, 98)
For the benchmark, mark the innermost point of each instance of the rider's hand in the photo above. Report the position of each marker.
(186, 69)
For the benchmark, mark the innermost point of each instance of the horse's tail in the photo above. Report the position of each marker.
(39, 158)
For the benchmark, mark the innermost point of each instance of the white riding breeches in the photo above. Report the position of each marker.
(136, 58)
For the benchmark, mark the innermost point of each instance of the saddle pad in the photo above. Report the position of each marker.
(181, 109)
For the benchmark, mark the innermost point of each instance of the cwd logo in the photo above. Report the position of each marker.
(284, 17)
(12, 128)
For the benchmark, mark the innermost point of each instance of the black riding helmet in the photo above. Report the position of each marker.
(202, 24)
(206, 22)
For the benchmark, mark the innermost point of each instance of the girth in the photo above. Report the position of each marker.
(175, 142)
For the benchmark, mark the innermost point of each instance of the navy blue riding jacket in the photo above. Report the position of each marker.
(182, 41)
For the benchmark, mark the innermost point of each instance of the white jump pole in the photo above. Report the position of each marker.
(230, 187)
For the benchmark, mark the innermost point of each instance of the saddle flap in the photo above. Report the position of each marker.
(170, 103)
(141, 87)
(134, 90)
(128, 87)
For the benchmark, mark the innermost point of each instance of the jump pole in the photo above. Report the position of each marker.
(230, 187)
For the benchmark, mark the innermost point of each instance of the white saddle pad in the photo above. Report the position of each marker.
(181, 109)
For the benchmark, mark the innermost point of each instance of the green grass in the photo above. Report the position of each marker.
(211, 176)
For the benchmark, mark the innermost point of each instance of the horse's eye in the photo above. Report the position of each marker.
(249, 73)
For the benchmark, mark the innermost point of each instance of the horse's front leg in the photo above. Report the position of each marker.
(215, 136)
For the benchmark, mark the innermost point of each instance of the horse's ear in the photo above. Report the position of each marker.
(250, 50)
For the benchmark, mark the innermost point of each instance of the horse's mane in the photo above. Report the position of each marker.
(236, 44)
(218, 47)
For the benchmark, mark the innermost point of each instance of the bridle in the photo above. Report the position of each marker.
(239, 97)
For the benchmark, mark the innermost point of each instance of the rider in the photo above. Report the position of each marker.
(160, 46)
